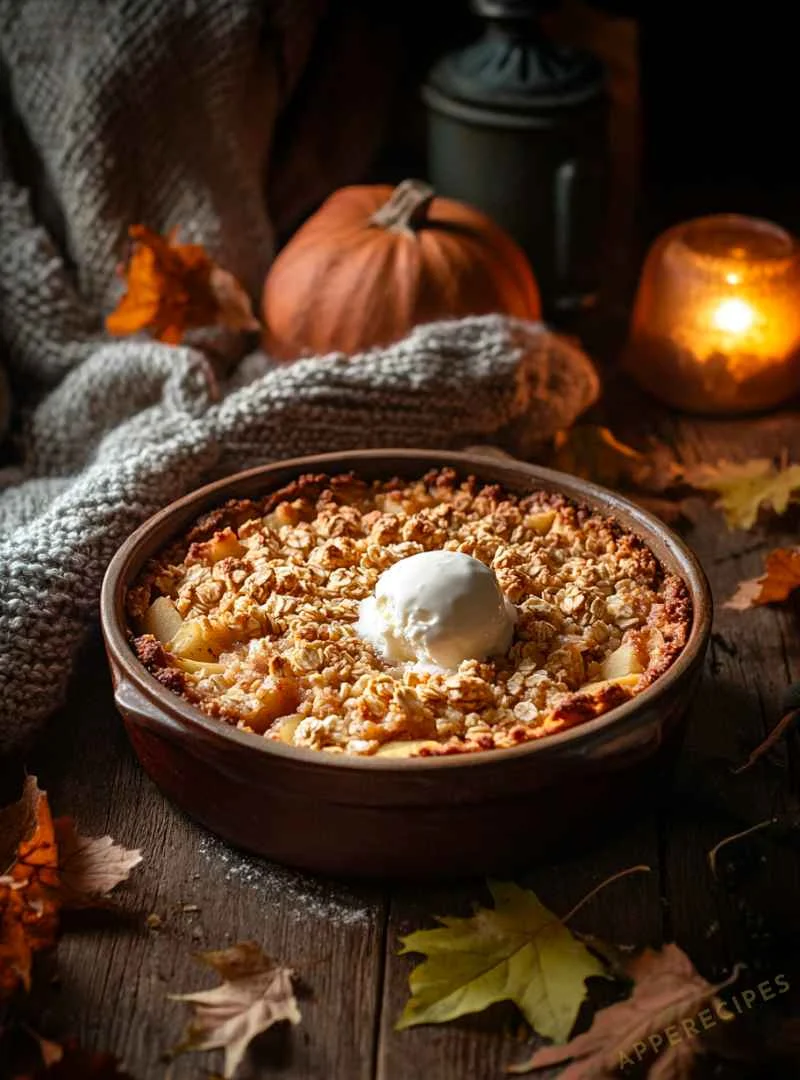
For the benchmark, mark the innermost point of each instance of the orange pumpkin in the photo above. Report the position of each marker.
(372, 263)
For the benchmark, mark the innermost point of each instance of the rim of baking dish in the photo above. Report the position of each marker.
(601, 728)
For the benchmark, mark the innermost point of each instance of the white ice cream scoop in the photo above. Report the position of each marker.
(437, 608)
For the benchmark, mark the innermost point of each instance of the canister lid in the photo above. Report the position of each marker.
(514, 67)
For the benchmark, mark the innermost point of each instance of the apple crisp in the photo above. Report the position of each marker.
(252, 615)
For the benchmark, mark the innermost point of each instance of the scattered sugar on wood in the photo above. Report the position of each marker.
(301, 895)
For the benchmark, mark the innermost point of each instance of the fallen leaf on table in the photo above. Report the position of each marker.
(517, 951)
(172, 288)
(89, 866)
(255, 994)
(745, 487)
(70, 1062)
(666, 991)
(28, 886)
(595, 453)
(780, 578)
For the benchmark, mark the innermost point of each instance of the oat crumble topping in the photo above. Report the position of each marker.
(251, 616)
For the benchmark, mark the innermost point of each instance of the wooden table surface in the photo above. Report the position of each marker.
(342, 937)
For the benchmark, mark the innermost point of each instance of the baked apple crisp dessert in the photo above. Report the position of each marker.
(425, 617)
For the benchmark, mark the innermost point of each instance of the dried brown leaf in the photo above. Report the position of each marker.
(780, 578)
(234, 309)
(595, 453)
(90, 866)
(256, 994)
(744, 488)
(666, 991)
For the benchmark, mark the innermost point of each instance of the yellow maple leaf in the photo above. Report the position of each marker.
(743, 488)
(517, 951)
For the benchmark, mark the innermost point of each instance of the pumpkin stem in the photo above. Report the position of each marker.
(406, 208)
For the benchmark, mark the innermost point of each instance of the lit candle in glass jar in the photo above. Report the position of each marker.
(716, 324)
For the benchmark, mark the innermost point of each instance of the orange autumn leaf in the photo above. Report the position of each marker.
(780, 578)
(28, 886)
(172, 288)
(595, 453)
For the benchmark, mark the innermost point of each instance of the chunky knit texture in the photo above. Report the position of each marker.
(137, 110)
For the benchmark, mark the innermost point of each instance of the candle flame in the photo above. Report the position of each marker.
(733, 316)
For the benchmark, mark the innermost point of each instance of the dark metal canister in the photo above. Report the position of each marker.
(517, 126)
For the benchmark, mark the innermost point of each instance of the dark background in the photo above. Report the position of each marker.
(719, 87)
(719, 94)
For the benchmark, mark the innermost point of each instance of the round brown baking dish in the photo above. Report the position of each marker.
(441, 816)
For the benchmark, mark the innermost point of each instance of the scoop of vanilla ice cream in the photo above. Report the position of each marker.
(437, 608)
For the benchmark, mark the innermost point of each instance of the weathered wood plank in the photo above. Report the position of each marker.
(115, 976)
(114, 979)
(749, 914)
(750, 662)
(482, 1046)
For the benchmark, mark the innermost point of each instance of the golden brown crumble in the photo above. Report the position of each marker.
(252, 615)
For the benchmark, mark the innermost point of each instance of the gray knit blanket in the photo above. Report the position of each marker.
(165, 112)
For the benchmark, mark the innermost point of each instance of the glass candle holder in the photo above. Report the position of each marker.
(716, 323)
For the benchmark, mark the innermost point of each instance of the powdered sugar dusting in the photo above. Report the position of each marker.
(300, 895)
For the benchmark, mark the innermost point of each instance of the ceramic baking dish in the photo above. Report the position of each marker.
(442, 816)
